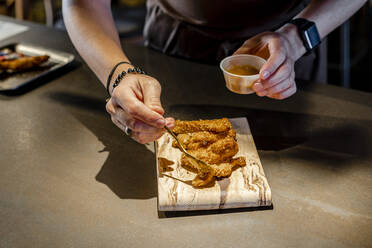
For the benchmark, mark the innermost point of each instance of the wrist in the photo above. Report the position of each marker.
(296, 45)
(118, 70)
(124, 73)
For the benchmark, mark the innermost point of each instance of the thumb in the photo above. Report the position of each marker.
(151, 97)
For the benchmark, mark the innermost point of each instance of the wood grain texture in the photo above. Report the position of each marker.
(246, 187)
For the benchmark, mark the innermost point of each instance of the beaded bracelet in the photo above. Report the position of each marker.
(123, 73)
(112, 73)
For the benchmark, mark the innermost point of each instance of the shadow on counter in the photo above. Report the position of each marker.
(129, 170)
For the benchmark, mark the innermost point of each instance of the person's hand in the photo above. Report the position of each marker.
(277, 76)
(135, 103)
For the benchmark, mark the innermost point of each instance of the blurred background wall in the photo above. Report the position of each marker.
(349, 47)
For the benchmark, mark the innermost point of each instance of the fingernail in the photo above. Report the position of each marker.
(160, 123)
(265, 75)
(170, 124)
(257, 87)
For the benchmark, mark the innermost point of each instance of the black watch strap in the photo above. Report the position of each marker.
(308, 32)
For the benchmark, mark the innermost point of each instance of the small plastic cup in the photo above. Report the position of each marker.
(241, 84)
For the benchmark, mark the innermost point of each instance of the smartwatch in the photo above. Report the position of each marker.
(308, 32)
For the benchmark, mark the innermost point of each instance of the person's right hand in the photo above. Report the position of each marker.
(135, 103)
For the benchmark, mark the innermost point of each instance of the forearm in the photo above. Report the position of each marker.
(92, 30)
(330, 14)
(327, 15)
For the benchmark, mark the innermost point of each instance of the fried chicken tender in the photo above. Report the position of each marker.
(225, 169)
(219, 170)
(196, 140)
(23, 63)
(217, 152)
(216, 125)
(205, 173)
(213, 142)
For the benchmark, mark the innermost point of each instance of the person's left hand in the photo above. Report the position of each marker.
(277, 76)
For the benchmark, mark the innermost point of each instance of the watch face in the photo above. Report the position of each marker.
(312, 36)
(309, 33)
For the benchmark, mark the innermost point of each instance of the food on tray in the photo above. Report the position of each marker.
(213, 142)
(13, 61)
(24, 63)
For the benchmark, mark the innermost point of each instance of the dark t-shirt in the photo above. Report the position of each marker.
(226, 17)
(208, 31)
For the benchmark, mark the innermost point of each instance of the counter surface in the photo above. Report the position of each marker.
(70, 178)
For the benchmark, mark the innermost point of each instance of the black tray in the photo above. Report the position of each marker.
(14, 80)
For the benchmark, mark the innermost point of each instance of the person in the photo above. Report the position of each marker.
(202, 30)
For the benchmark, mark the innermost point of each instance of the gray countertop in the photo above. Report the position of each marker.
(70, 178)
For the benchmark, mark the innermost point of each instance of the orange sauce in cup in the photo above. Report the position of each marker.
(243, 70)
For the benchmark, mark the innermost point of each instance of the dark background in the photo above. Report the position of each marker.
(349, 46)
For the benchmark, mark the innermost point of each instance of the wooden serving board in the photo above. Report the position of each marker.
(246, 187)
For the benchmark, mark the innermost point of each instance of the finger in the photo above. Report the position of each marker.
(110, 108)
(261, 93)
(246, 47)
(243, 50)
(273, 87)
(134, 124)
(258, 49)
(286, 93)
(278, 88)
(255, 45)
(144, 138)
(277, 57)
(170, 122)
(151, 97)
(284, 72)
(140, 137)
(118, 123)
(127, 100)
(258, 88)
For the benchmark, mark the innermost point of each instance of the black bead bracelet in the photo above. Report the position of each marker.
(123, 73)
(112, 73)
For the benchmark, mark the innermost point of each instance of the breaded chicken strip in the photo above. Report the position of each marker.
(193, 141)
(205, 173)
(219, 170)
(225, 169)
(23, 63)
(213, 142)
(217, 152)
(216, 126)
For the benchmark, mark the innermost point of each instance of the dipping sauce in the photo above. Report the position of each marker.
(243, 70)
